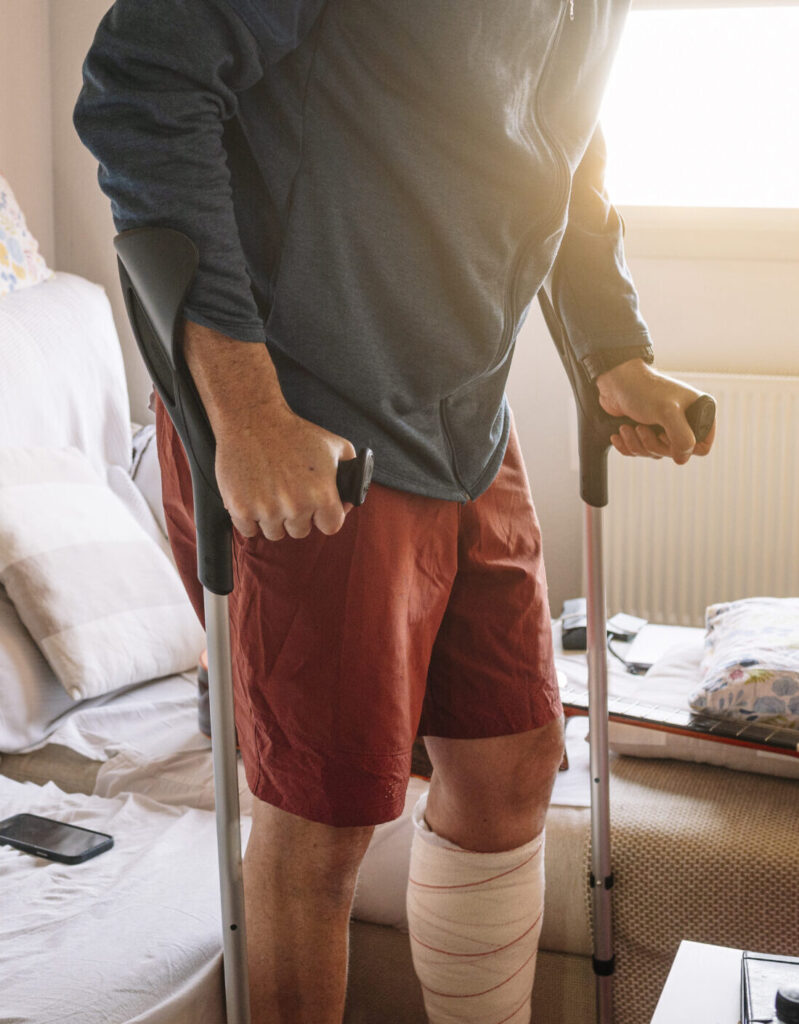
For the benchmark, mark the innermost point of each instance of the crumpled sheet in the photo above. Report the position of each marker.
(132, 936)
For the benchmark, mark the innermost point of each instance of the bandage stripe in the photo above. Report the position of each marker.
(475, 995)
(522, 1005)
(488, 952)
(482, 881)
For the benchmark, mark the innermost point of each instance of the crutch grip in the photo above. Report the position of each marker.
(700, 415)
(354, 476)
(594, 425)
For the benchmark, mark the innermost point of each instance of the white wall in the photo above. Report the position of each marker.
(721, 314)
(84, 228)
(26, 151)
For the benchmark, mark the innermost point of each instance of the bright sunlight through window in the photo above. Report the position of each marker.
(702, 109)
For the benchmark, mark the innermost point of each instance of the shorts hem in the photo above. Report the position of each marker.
(340, 795)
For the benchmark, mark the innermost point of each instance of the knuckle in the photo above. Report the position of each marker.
(298, 530)
(329, 523)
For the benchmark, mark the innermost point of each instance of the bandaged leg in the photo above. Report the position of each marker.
(474, 921)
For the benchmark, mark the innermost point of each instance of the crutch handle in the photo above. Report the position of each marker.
(156, 268)
(594, 425)
(354, 476)
(700, 415)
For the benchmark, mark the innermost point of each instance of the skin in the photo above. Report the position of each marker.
(276, 473)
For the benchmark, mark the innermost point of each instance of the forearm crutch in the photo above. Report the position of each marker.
(594, 431)
(157, 266)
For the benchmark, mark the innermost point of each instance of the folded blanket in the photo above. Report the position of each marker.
(750, 668)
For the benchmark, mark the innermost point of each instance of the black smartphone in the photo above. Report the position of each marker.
(55, 840)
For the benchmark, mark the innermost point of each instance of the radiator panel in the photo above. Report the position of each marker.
(678, 538)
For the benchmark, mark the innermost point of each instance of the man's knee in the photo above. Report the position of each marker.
(305, 856)
(493, 793)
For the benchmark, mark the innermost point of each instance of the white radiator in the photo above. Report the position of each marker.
(720, 528)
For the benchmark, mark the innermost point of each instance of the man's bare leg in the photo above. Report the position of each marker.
(299, 880)
(476, 888)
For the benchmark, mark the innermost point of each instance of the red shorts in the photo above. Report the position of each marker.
(420, 615)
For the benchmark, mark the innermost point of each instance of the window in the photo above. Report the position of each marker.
(701, 109)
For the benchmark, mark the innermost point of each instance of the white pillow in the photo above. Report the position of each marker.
(62, 380)
(101, 600)
(30, 695)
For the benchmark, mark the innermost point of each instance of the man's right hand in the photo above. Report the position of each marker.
(276, 472)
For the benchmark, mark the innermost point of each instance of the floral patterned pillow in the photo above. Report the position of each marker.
(750, 667)
(21, 263)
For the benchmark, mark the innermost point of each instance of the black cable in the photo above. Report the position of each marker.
(635, 668)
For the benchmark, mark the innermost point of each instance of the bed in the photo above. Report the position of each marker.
(702, 851)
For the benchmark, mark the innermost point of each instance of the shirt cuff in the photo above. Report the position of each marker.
(251, 330)
(596, 363)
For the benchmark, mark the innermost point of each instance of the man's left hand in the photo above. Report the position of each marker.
(636, 390)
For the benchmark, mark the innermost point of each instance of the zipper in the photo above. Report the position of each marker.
(510, 299)
(442, 405)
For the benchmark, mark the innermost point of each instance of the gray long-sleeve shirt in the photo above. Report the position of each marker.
(377, 190)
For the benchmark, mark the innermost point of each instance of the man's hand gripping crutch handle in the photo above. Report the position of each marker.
(157, 266)
(595, 426)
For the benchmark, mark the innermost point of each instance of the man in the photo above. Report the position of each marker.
(378, 190)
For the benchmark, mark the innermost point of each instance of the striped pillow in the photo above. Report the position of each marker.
(101, 600)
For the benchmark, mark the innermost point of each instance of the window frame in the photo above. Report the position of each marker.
(710, 232)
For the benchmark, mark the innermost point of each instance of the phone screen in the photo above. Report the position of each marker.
(54, 839)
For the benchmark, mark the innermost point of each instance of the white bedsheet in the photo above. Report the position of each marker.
(129, 937)
(680, 648)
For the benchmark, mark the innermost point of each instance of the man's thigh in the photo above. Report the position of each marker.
(331, 640)
(492, 669)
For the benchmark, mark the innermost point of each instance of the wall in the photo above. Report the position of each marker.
(26, 150)
(84, 227)
(724, 313)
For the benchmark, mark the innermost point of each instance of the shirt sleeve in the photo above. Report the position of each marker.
(160, 81)
(592, 288)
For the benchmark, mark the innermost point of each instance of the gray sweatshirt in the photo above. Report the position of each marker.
(377, 189)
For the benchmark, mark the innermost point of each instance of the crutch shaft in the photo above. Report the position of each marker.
(226, 791)
(601, 870)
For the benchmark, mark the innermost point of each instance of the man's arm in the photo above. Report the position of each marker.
(276, 472)
(160, 80)
(595, 297)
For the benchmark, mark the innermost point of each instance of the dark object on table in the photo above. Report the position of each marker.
(787, 1005)
(769, 989)
(573, 624)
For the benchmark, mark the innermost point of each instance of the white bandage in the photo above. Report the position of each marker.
(474, 921)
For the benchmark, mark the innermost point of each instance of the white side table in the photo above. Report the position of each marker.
(703, 987)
